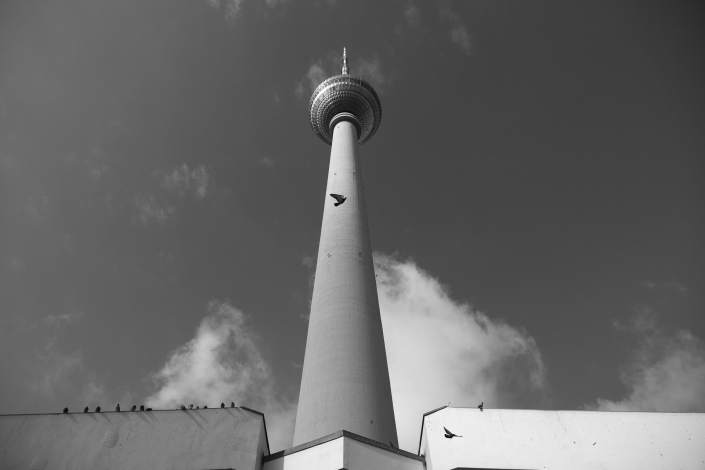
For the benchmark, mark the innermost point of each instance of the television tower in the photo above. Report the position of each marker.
(345, 380)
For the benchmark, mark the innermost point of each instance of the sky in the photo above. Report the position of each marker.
(535, 198)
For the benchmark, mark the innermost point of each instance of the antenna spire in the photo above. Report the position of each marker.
(345, 62)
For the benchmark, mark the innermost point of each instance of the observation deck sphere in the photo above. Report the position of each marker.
(345, 94)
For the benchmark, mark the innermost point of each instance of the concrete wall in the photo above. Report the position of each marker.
(169, 439)
(328, 456)
(531, 439)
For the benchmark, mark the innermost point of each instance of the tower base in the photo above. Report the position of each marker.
(343, 450)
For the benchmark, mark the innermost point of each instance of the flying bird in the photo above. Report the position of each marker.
(97, 409)
(66, 410)
(117, 408)
(222, 405)
(481, 405)
(85, 410)
(141, 407)
(134, 408)
(450, 435)
(339, 198)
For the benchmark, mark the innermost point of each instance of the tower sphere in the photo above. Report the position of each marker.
(345, 98)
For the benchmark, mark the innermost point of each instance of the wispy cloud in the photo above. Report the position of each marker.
(665, 372)
(315, 75)
(667, 287)
(62, 318)
(232, 8)
(223, 363)
(369, 68)
(150, 211)
(458, 32)
(412, 15)
(267, 162)
(183, 180)
(54, 374)
(466, 357)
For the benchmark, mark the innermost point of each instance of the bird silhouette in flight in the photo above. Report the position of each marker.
(339, 198)
(481, 406)
(450, 435)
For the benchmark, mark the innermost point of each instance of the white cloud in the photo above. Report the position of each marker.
(441, 350)
(184, 180)
(151, 211)
(223, 363)
(458, 32)
(665, 372)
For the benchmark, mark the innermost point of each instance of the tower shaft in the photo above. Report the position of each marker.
(345, 380)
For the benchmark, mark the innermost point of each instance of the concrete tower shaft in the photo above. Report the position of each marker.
(345, 381)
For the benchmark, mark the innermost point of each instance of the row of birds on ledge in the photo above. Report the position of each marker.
(142, 408)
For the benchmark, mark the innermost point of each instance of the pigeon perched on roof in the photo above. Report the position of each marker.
(391, 444)
(339, 198)
(205, 407)
(97, 409)
(481, 406)
(222, 405)
(198, 407)
(232, 404)
(85, 410)
(450, 435)
(66, 410)
(117, 408)
(134, 408)
(183, 407)
(149, 409)
(141, 407)
(190, 407)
